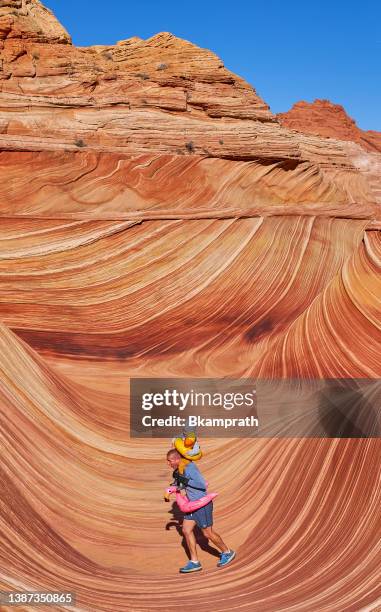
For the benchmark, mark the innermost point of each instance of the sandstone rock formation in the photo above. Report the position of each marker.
(156, 219)
(323, 118)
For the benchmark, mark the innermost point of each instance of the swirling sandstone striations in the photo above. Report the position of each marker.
(158, 220)
(114, 290)
(77, 489)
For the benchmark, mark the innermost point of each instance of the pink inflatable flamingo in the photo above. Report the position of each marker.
(185, 504)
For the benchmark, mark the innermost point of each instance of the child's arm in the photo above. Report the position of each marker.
(195, 450)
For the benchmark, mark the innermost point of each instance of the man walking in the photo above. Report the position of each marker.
(195, 488)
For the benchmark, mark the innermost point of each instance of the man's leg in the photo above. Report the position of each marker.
(188, 527)
(210, 534)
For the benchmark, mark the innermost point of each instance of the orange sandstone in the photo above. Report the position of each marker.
(156, 219)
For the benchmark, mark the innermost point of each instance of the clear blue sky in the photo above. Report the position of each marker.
(288, 50)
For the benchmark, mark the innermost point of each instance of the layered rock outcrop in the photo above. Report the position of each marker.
(156, 219)
(141, 104)
(324, 118)
(29, 21)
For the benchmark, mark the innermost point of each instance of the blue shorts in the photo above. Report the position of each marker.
(203, 516)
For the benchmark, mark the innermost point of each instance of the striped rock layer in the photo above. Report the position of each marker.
(158, 220)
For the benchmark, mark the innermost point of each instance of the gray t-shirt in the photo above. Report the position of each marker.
(196, 479)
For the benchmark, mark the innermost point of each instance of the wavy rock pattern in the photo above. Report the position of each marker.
(290, 519)
(109, 289)
(106, 186)
(352, 297)
(158, 220)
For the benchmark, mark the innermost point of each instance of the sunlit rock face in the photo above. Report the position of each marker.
(323, 118)
(158, 220)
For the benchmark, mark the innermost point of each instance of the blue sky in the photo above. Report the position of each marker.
(289, 51)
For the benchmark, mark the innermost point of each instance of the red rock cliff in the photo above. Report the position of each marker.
(323, 118)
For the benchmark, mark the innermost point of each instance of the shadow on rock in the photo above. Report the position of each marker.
(177, 523)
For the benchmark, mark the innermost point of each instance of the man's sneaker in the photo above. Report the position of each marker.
(191, 566)
(226, 558)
